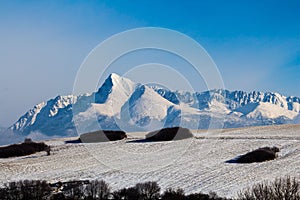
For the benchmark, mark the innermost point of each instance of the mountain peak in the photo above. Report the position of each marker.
(133, 104)
(115, 76)
(114, 86)
(115, 79)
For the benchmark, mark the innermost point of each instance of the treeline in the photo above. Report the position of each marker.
(23, 149)
(94, 190)
(283, 188)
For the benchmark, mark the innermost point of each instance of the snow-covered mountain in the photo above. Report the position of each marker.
(122, 104)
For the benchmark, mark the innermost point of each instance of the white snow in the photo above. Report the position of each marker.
(121, 90)
(218, 107)
(30, 117)
(150, 104)
(61, 102)
(265, 110)
(187, 110)
(193, 164)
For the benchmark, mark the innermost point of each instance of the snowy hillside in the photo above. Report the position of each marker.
(122, 104)
(196, 164)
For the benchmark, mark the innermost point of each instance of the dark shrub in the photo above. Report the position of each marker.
(126, 194)
(201, 196)
(115, 135)
(198, 196)
(23, 149)
(167, 134)
(258, 155)
(282, 188)
(102, 136)
(171, 194)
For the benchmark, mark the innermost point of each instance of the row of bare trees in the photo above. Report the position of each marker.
(93, 190)
(27, 189)
(281, 189)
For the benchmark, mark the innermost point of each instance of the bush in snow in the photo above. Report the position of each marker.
(102, 136)
(23, 149)
(167, 134)
(259, 155)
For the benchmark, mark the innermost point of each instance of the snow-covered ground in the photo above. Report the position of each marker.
(197, 164)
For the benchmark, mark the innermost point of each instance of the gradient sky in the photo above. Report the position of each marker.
(256, 46)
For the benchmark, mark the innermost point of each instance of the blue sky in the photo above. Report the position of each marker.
(256, 46)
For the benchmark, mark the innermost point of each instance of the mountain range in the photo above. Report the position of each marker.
(123, 104)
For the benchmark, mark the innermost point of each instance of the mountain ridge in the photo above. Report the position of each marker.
(123, 104)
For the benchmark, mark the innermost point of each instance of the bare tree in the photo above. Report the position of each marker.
(27, 189)
(281, 189)
(148, 190)
(286, 188)
(98, 190)
(74, 190)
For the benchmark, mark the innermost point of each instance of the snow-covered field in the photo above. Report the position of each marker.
(197, 164)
